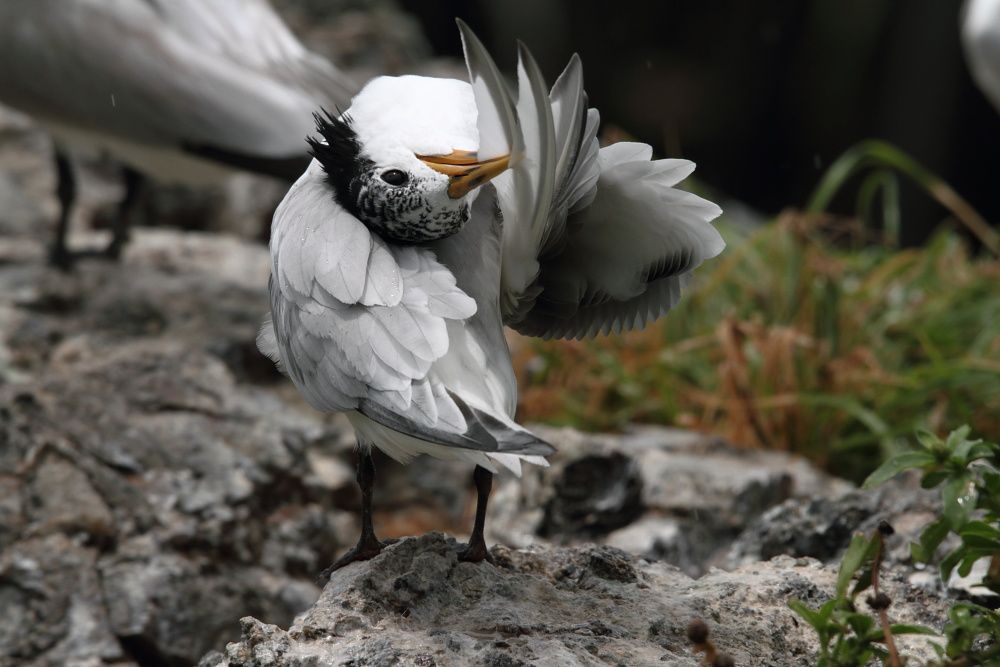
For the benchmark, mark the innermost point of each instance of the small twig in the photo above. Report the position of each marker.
(697, 633)
(880, 601)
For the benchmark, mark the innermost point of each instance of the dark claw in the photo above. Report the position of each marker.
(476, 553)
(365, 550)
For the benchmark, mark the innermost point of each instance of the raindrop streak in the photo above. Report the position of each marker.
(113, 100)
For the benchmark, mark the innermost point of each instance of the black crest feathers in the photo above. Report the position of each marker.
(339, 152)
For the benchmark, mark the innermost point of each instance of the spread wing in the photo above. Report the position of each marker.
(360, 324)
(223, 79)
(595, 240)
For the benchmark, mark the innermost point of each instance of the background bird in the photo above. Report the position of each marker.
(434, 213)
(181, 90)
(981, 41)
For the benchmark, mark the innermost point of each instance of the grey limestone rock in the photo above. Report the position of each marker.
(415, 604)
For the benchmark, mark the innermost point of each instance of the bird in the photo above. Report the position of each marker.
(183, 91)
(980, 31)
(434, 213)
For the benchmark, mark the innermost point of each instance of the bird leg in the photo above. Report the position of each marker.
(476, 551)
(368, 545)
(120, 226)
(59, 254)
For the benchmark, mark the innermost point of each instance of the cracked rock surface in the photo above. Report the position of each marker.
(158, 482)
(154, 485)
(415, 604)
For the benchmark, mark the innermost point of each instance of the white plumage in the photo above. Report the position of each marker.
(179, 89)
(408, 340)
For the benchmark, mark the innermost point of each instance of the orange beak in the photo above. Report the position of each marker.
(465, 171)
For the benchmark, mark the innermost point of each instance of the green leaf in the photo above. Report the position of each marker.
(981, 542)
(932, 478)
(898, 464)
(907, 629)
(980, 529)
(970, 556)
(957, 437)
(930, 540)
(853, 559)
(981, 450)
(811, 616)
(826, 611)
(861, 624)
(929, 440)
(958, 496)
(950, 562)
(864, 581)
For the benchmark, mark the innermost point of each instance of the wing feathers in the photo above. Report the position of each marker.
(497, 120)
(359, 325)
(595, 240)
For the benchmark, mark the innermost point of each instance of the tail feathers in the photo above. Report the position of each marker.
(512, 462)
(509, 437)
(484, 431)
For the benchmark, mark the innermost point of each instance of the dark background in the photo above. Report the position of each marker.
(763, 95)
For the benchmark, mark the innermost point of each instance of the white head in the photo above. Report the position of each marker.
(403, 157)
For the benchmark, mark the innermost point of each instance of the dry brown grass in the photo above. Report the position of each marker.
(792, 340)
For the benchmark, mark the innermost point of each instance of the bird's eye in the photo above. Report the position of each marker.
(395, 177)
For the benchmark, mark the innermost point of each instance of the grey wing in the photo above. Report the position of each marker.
(251, 33)
(359, 324)
(166, 73)
(596, 240)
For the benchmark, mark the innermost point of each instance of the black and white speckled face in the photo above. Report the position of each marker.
(393, 192)
(407, 203)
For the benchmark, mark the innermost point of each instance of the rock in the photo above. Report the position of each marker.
(658, 493)
(159, 480)
(365, 38)
(594, 495)
(154, 485)
(822, 527)
(180, 497)
(203, 291)
(415, 604)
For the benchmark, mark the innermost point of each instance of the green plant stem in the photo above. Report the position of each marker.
(878, 153)
(980, 659)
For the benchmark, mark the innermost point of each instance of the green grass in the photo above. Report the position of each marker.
(803, 336)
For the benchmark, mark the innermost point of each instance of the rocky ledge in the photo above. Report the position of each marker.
(158, 482)
(415, 604)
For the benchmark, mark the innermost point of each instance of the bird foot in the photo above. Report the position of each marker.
(366, 549)
(476, 552)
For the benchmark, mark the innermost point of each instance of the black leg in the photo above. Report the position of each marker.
(59, 254)
(476, 551)
(368, 545)
(120, 226)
